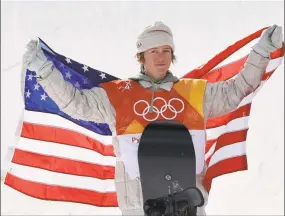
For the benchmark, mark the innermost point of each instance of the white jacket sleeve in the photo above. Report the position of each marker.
(90, 105)
(225, 96)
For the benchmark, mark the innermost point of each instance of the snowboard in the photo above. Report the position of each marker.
(167, 167)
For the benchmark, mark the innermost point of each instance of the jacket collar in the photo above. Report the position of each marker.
(147, 82)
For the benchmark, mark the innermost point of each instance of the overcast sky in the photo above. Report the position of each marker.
(103, 34)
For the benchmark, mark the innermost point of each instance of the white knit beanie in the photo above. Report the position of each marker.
(157, 34)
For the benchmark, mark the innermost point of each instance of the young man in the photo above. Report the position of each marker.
(154, 94)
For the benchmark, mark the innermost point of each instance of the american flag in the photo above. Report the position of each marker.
(67, 160)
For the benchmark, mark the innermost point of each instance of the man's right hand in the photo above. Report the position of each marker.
(34, 58)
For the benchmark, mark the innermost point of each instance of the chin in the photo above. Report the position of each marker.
(161, 74)
(161, 70)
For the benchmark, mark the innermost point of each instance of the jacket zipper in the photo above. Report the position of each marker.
(154, 87)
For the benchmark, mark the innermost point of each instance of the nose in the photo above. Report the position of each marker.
(160, 57)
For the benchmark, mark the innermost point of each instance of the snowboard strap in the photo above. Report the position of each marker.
(181, 203)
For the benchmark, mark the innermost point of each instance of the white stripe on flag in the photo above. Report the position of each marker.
(60, 179)
(248, 99)
(273, 64)
(60, 122)
(229, 151)
(210, 151)
(234, 125)
(65, 151)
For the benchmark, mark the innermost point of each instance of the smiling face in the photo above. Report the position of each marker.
(157, 61)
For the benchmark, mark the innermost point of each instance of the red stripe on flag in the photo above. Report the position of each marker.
(226, 139)
(224, 119)
(267, 75)
(217, 59)
(231, 138)
(62, 165)
(225, 72)
(208, 160)
(64, 136)
(278, 53)
(224, 167)
(209, 144)
(61, 193)
(228, 71)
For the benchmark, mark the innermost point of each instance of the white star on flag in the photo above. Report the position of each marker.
(68, 75)
(61, 65)
(85, 81)
(30, 77)
(85, 68)
(43, 96)
(77, 85)
(37, 87)
(28, 93)
(102, 75)
(68, 60)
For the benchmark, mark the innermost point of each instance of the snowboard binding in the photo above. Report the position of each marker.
(183, 203)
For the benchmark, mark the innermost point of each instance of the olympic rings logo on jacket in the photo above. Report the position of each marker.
(161, 111)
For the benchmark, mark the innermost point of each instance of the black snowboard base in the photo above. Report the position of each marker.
(167, 166)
